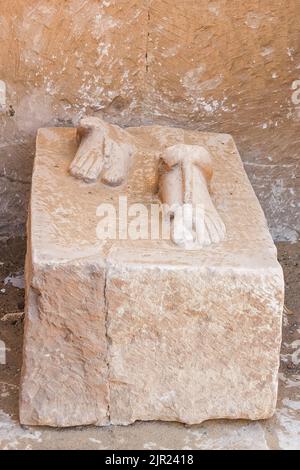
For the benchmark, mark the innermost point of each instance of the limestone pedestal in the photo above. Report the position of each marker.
(119, 331)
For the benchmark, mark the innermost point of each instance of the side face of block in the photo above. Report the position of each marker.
(120, 330)
(191, 345)
(64, 376)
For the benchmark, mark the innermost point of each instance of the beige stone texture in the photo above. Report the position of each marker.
(184, 181)
(218, 66)
(123, 330)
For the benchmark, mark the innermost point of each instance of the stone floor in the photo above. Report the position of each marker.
(280, 432)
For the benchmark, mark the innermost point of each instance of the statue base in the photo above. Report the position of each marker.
(124, 330)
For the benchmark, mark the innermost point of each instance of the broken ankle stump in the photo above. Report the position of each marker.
(125, 323)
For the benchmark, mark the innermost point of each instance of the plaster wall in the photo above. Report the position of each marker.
(223, 66)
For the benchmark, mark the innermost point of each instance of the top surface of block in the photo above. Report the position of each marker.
(63, 209)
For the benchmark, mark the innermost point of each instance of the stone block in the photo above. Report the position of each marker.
(122, 330)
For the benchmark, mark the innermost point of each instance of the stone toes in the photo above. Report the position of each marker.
(79, 163)
(115, 174)
(216, 227)
(87, 167)
(112, 179)
(210, 231)
(220, 226)
(95, 168)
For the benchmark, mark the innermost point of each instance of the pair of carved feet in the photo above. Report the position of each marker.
(184, 188)
(105, 151)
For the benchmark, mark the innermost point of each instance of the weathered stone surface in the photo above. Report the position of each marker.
(208, 65)
(193, 344)
(65, 365)
(118, 331)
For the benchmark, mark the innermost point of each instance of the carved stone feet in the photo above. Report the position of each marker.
(184, 189)
(105, 150)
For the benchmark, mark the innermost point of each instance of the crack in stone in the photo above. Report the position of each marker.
(147, 40)
(107, 340)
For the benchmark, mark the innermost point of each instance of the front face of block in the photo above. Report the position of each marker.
(191, 345)
(122, 330)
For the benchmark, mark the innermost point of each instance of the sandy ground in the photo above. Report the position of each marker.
(280, 432)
